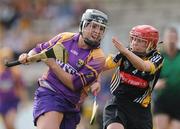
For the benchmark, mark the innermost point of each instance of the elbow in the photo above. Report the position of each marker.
(141, 67)
(72, 87)
(76, 88)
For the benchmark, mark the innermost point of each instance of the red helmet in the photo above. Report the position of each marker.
(146, 32)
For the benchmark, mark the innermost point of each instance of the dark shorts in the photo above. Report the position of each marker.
(129, 114)
(46, 100)
(168, 104)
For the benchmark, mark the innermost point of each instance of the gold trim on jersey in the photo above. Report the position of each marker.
(145, 99)
(110, 64)
(82, 78)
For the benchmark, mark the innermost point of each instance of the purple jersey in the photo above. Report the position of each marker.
(9, 82)
(83, 64)
(8, 85)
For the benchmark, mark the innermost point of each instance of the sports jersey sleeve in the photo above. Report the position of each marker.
(156, 62)
(113, 61)
(89, 72)
(46, 45)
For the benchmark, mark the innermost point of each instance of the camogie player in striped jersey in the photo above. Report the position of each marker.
(138, 70)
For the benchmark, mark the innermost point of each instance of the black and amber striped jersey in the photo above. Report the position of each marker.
(131, 83)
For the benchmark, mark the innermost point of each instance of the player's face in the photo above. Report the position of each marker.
(171, 39)
(138, 44)
(94, 31)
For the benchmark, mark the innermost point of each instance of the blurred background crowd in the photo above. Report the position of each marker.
(24, 23)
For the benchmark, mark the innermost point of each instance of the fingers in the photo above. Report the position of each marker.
(114, 40)
(118, 45)
(23, 58)
(96, 87)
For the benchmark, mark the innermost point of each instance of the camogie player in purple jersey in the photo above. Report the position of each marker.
(12, 89)
(63, 86)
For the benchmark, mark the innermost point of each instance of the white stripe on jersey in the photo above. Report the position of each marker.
(115, 82)
(139, 100)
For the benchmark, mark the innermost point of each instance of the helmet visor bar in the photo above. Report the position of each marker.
(138, 39)
(98, 19)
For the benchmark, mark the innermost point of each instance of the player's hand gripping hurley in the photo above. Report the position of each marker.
(57, 51)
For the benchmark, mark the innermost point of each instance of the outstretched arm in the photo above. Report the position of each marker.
(137, 62)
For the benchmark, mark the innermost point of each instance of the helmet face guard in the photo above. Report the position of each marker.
(92, 27)
(145, 35)
(93, 32)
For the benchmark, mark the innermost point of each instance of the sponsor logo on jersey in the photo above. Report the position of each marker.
(80, 63)
(74, 52)
(133, 80)
(66, 67)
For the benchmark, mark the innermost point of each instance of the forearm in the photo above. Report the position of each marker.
(65, 77)
(32, 52)
(137, 62)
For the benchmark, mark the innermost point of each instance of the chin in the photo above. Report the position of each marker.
(135, 50)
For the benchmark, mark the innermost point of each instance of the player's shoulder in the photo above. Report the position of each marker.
(63, 37)
(156, 58)
(156, 53)
(66, 36)
(97, 53)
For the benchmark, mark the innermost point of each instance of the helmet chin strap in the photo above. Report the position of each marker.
(140, 54)
(143, 54)
(90, 43)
